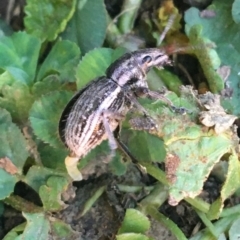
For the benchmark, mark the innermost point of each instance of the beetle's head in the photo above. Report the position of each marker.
(151, 57)
(132, 67)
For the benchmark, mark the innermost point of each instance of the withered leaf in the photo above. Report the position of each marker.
(8, 166)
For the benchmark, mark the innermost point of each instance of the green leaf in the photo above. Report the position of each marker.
(13, 150)
(46, 19)
(13, 234)
(7, 184)
(144, 146)
(95, 63)
(19, 55)
(37, 227)
(172, 82)
(134, 221)
(62, 59)
(207, 57)
(50, 193)
(222, 37)
(205, 152)
(234, 231)
(132, 236)
(5, 116)
(17, 99)
(191, 150)
(88, 26)
(6, 78)
(13, 144)
(53, 157)
(92, 200)
(93, 155)
(62, 230)
(117, 165)
(38, 176)
(236, 11)
(49, 84)
(45, 115)
(232, 181)
(5, 29)
(154, 213)
(229, 187)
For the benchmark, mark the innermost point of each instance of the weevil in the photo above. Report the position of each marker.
(96, 111)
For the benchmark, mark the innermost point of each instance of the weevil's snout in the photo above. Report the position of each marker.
(154, 58)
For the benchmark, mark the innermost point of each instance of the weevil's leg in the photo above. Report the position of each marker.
(128, 154)
(145, 92)
(111, 139)
(123, 147)
(150, 123)
(137, 105)
(72, 169)
(71, 161)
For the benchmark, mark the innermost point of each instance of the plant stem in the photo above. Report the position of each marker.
(153, 212)
(22, 204)
(129, 10)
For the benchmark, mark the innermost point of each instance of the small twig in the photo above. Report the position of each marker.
(184, 70)
(22, 204)
(32, 147)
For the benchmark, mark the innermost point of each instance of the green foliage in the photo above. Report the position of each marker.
(7, 184)
(17, 99)
(144, 146)
(234, 231)
(95, 63)
(46, 19)
(13, 149)
(235, 11)
(50, 193)
(38, 176)
(62, 58)
(41, 68)
(44, 116)
(19, 56)
(134, 225)
(88, 25)
(208, 58)
(226, 40)
(134, 221)
(35, 221)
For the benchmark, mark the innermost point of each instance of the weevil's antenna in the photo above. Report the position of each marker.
(167, 27)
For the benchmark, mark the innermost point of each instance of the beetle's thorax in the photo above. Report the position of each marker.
(126, 71)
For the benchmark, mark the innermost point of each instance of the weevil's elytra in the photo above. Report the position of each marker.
(82, 116)
(94, 112)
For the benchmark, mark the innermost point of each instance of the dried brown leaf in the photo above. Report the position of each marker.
(8, 166)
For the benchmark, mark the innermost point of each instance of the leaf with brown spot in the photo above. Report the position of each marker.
(192, 152)
(171, 164)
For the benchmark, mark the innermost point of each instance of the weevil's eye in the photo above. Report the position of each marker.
(146, 59)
